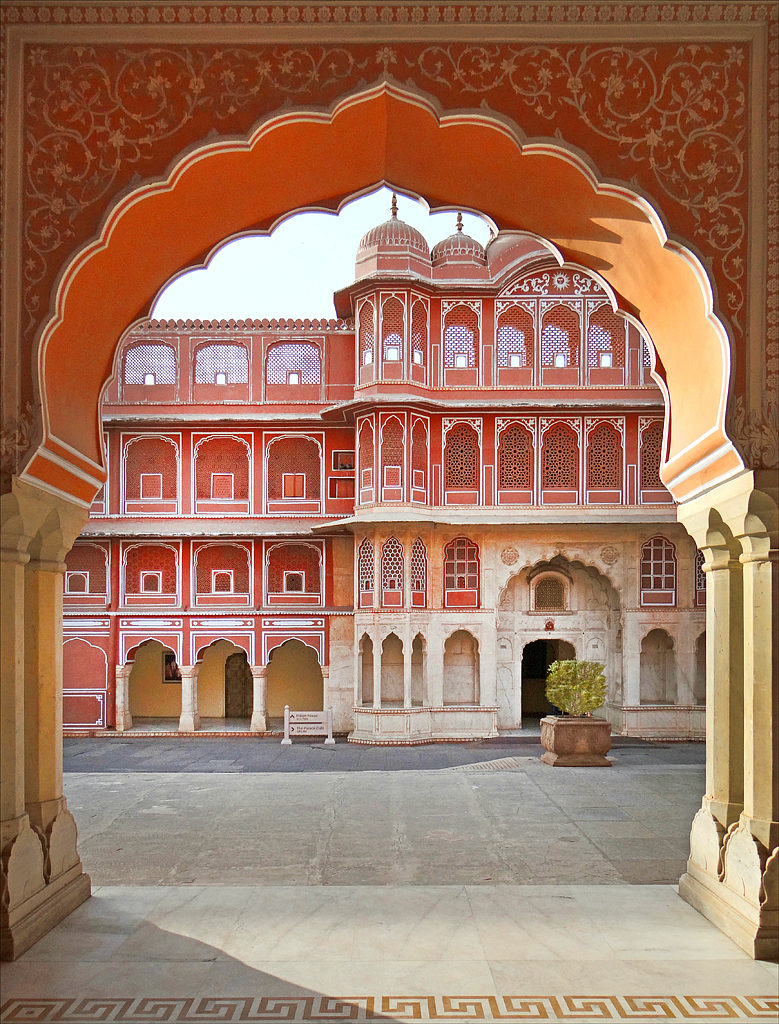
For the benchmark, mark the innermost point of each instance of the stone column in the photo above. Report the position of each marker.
(189, 720)
(124, 719)
(435, 665)
(407, 671)
(259, 721)
(488, 656)
(325, 686)
(376, 671)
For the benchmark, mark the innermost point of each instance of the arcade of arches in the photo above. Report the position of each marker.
(709, 329)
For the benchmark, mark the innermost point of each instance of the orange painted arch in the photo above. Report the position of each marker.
(313, 159)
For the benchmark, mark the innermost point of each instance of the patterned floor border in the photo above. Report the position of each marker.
(327, 1010)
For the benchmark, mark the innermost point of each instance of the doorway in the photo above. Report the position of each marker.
(536, 659)
(294, 678)
(239, 686)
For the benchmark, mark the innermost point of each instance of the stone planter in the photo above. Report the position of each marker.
(575, 742)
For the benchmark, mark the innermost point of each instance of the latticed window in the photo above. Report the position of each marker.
(419, 455)
(419, 333)
(228, 362)
(646, 359)
(550, 594)
(392, 565)
(651, 456)
(515, 459)
(222, 469)
(150, 364)
(91, 561)
(461, 565)
(604, 458)
(154, 559)
(392, 329)
(293, 363)
(222, 568)
(365, 567)
(366, 454)
(392, 437)
(700, 575)
(560, 458)
(658, 565)
(606, 339)
(367, 332)
(151, 457)
(299, 559)
(461, 458)
(461, 338)
(560, 337)
(293, 456)
(418, 566)
(515, 338)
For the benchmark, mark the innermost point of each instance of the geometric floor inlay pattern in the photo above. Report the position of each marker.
(324, 1009)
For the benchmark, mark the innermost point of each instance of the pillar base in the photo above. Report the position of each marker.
(189, 721)
(124, 721)
(258, 723)
(22, 926)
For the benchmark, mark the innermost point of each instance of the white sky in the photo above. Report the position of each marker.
(294, 271)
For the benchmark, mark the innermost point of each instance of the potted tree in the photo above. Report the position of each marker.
(576, 739)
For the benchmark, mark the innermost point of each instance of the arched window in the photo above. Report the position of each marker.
(221, 470)
(365, 573)
(418, 574)
(515, 347)
(419, 450)
(560, 459)
(294, 569)
(150, 569)
(606, 339)
(393, 331)
(604, 459)
(392, 573)
(651, 456)
(151, 471)
(367, 332)
(560, 337)
(294, 469)
(150, 364)
(657, 682)
(366, 456)
(222, 569)
(419, 333)
(461, 669)
(658, 572)
(87, 570)
(221, 364)
(549, 594)
(461, 459)
(293, 363)
(515, 461)
(461, 574)
(392, 449)
(461, 338)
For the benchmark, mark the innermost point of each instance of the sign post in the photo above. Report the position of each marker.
(307, 723)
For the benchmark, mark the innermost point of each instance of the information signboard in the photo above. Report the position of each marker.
(307, 723)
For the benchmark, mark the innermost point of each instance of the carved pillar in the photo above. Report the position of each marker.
(124, 719)
(189, 721)
(259, 721)
(376, 672)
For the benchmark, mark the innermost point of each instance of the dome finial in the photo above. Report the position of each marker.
(394, 207)
(459, 220)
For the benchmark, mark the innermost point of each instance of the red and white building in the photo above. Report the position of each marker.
(405, 513)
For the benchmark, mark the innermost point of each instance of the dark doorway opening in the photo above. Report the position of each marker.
(239, 688)
(536, 659)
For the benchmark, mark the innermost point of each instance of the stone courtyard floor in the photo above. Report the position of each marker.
(236, 880)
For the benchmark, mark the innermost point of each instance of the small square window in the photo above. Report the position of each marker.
(293, 485)
(151, 486)
(221, 581)
(221, 378)
(151, 582)
(222, 486)
(293, 377)
(605, 359)
(461, 361)
(294, 582)
(76, 582)
(515, 359)
(419, 358)
(367, 358)
(392, 354)
(343, 460)
(559, 360)
(149, 378)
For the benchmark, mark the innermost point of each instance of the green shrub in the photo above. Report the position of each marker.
(576, 687)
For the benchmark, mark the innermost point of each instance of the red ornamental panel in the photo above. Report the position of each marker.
(293, 457)
(419, 334)
(366, 456)
(293, 363)
(392, 457)
(150, 569)
(419, 453)
(515, 460)
(560, 337)
(149, 364)
(392, 330)
(560, 459)
(367, 332)
(461, 338)
(604, 460)
(392, 573)
(222, 568)
(294, 569)
(151, 470)
(418, 570)
(221, 364)
(222, 470)
(365, 573)
(86, 570)
(461, 574)
(461, 458)
(606, 339)
(515, 340)
(651, 456)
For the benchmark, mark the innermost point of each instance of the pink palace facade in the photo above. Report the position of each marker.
(405, 513)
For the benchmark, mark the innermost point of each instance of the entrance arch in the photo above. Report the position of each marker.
(473, 160)
(151, 694)
(214, 676)
(537, 656)
(294, 678)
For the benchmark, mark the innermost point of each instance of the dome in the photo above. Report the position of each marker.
(459, 248)
(393, 247)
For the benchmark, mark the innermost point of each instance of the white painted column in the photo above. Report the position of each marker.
(124, 719)
(376, 671)
(259, 721)
(190, 717)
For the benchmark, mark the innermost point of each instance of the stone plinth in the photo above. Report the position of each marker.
(575, 742)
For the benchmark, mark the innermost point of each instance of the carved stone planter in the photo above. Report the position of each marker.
(575, 742)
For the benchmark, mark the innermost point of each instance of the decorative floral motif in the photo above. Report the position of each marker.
(509, 556)
(16, 438)
(609, 554)
(757, 433)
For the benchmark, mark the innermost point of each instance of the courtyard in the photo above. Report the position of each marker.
(234, 879)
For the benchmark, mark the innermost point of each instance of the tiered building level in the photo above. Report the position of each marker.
(404, 514)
